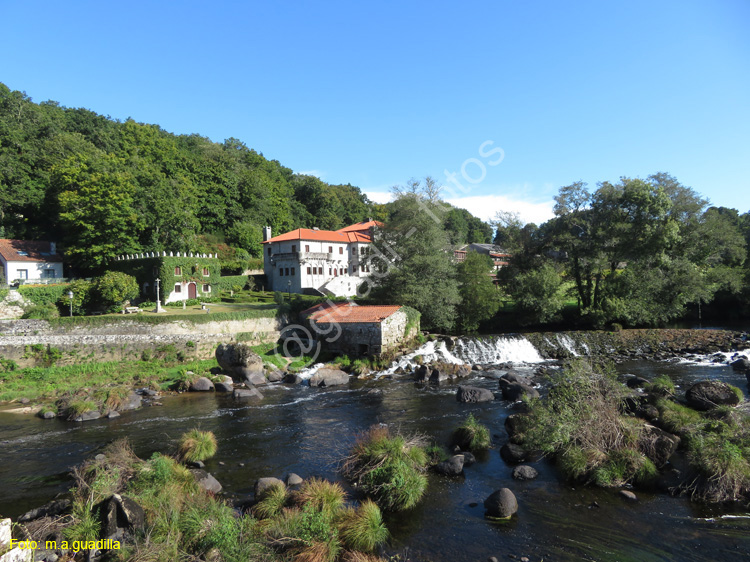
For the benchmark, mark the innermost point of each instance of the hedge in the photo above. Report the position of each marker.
(43, 294)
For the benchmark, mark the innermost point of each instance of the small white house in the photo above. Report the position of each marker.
(29, 260)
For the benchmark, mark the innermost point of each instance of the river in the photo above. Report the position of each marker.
(304, 430)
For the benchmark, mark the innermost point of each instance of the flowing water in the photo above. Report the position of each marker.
(305, 430)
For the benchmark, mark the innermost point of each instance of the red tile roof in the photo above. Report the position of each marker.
(321, 236)
(365, 225)
(346, 313)
(359, 232)
(34, 250)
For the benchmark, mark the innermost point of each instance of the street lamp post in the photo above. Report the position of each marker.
(158, 300)
(289, 289)
(70, 296)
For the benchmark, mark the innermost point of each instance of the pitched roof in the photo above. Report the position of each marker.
(360, 226)
(27, 250)
(322, 236)
(350, 313)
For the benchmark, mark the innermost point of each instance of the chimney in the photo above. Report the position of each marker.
(53, 248)
(266, 233)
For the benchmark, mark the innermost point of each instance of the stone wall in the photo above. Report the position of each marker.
(394, 328)
(124, 340)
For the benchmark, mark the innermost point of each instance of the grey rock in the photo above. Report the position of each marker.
(275, 375)
(514, 391)
(113, 414)
(439, 375)
(293, 479)
(254, 377)
(247, 394)
(513, 426)
(501, 503)
(628, 495)
(705, 395)
(262, 485)
(525, 472)
(326, 376)
(88, 416)
(513, 454)
(657, 445)
(469, 458)
(452, 467)
(132, 402)
(473, 394)
(421, 373)
(196, 464)
(293, 378)
(206, 480)
(238, 360)
(741, 365)
(636, 382)
(224, 387)
(122, 513)
(202, 384)
(48, 415)
(49, 509)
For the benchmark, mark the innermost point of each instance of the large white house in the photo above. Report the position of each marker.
(328, 262)
(27, 260)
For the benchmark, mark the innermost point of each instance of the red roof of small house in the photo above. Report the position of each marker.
(325, 306)
(350, 313)
(27, 250)
(321, 236)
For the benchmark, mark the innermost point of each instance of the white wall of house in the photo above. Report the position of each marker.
(180, 291)
(31, 270)
(295, 265)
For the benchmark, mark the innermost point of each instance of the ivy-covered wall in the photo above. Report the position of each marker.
(146, 270)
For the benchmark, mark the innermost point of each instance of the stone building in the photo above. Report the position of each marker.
(182, 276)
(320, 262)
(362, 330)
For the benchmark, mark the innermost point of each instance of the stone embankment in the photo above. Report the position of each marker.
(125, 339)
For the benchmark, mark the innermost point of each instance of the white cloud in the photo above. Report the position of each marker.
(378, 196)
(485, 207)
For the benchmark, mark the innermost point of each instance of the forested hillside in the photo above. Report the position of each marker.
(103, 187)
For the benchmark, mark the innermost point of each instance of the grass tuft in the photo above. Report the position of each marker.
(363, 529)
(197, 445)
(472, 435)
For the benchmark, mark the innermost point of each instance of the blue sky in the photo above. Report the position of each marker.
(373, 94)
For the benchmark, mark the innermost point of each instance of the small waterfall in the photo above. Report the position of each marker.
(431, 351)
(568, 344)
(496, 349)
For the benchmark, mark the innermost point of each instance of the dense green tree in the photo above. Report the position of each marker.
(412, 266)
(480, 299)
(537, 293)
(96, 210)
(111, 290)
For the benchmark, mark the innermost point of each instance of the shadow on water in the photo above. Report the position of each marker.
(303, 430)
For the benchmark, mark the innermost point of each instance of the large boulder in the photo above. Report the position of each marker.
(513, 425)
(202, 384)
(224, 387)
(709, 394)
(657, 445)
(454, 466)
(328, 376)
(239, 360)
(88, 416)
(421, 373)
(501, 503)
(525, 472)
(514, 391)
(473, 394)
(274, 374)
(741, 365)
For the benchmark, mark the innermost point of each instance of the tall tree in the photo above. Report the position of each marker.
(480, 299)
(412, 266)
